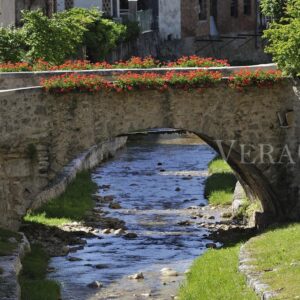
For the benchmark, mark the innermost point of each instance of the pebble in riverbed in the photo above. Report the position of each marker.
(168, 272)
(136, 276)
(95, 285)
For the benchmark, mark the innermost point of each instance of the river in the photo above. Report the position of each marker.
(158, 182)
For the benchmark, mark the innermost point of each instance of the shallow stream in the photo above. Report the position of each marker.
(158, 183)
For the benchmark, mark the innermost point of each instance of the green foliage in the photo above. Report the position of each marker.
(52, 39)
(34, 285)
(132, 31)
(220, 185)
(284, 39)
(6, 247)
(73, 204)
(273, 8)
(215, 275)
(218, 165)
(12, 44)
(101, 35)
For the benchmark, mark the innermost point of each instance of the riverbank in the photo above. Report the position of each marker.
(215, 274)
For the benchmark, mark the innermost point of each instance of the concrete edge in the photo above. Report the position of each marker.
(253, 277)
(11, 266)
(85, 161)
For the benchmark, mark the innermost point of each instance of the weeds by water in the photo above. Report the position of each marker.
(7, 247)
(219, 186)
(34, 285)
(215, 276)
(72, 205)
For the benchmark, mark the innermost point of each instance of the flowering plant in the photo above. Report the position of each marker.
(132, 63)
(192, 80)
(131, 81)
(260, 78)
(75, 83)
(15, 67)
(197, 61)
(137, 63)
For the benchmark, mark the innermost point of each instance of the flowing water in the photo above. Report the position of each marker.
(158, 184)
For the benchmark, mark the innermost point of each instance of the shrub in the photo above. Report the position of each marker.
(12, 44)
(52, 39)
(196, 61)
(101, 35)
(273, 8)
(284, 39)
(75, 83)
(259, 78)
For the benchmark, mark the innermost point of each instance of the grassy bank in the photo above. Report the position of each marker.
(34, 285)
(277, 256)
(219, 186)
(72, 205)
(215, 276)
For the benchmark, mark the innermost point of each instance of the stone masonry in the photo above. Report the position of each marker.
(41, 133)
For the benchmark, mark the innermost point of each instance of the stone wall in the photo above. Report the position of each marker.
(7, 13)
(170, 19)
(41, 133)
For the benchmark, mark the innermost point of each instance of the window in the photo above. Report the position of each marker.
(69, 4)
(203, 10)
(234, 8)
(247, 7)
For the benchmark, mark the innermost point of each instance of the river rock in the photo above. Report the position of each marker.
(71, 258)
(95, 285)
(211, 245)
(104, 187)
(137, 276)
(101, 266)
(178, 189)
(109, 198)
(106, 231)
(119, 231)
(211, 218)
(184, 223)
(114, 205)
(226, 215)
(130, 235)
(159, 164)
(168, 272)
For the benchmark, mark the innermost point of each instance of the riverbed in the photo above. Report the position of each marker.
(158, 183)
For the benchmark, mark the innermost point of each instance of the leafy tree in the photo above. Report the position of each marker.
(284, 39)
(273, 8)
(101, 35)
(52, 39)
(12, 44)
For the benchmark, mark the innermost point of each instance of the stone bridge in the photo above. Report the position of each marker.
(42, 135)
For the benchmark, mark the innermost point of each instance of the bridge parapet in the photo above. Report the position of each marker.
(12, 80)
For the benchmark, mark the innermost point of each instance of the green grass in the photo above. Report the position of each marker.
(219, 186)
(6, 248)
(218, 165)
(72, 205)
(34, 285)
(277, 252)
(215, 276)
